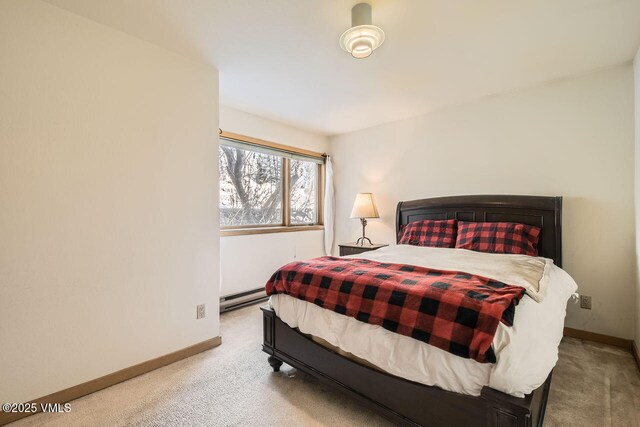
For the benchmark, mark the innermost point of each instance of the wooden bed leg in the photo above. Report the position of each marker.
(269, 336)
(275, 363)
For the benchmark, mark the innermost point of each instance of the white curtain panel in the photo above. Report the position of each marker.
(329, 206)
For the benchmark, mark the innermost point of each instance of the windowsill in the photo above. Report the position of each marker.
(228, 232)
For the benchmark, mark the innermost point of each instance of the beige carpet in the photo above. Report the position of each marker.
(232, 385)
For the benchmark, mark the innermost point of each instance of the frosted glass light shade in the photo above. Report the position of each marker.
(364, 207)
(362, 40)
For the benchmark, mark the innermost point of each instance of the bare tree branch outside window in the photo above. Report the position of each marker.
(251, 188)
(304, 196)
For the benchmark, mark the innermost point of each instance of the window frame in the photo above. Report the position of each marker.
(285, 225)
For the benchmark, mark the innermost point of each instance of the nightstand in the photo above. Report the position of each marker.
(353, 249)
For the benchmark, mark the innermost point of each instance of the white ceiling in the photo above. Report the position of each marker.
(280, 58)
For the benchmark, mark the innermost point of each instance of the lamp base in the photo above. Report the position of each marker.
(361, 240)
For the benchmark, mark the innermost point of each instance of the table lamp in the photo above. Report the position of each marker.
(364, 208)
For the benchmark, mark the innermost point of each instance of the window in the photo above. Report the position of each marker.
(303, 178)
(268, 186)
(250, 187)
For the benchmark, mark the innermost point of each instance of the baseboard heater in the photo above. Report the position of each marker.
(241, 299)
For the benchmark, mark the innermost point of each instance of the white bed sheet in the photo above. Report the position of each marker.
(526, 352)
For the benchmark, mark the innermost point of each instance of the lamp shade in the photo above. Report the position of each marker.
(364, 207)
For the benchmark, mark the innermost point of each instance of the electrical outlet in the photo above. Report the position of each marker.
(200, 311)
(585, 302)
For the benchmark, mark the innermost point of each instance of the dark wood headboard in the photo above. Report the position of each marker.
(543, 212)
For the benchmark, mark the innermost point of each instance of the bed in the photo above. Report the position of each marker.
(410, 402)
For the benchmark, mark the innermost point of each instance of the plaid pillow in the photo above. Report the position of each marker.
(434, 233)
(498, 237)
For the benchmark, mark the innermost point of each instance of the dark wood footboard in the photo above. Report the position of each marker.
(401, 401)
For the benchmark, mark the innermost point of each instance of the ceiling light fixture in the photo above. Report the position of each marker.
(362, 38)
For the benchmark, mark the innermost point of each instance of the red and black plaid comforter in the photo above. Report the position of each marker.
(456, 312)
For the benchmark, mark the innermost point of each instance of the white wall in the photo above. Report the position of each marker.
(243, 123)
(108, 217)
(244, 265)
(636, 68)
(247, 262)
(572, 138)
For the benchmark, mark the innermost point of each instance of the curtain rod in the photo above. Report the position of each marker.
(220, 133)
